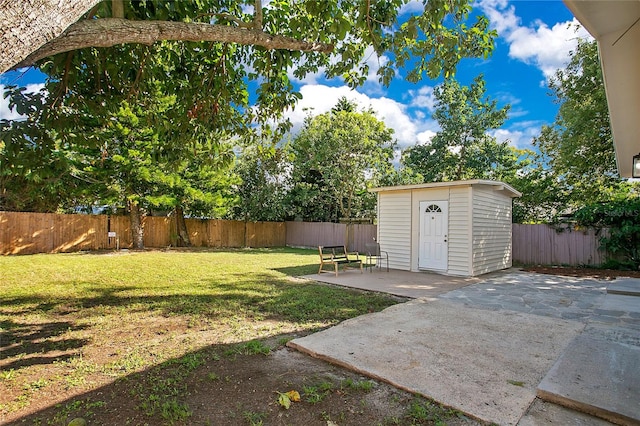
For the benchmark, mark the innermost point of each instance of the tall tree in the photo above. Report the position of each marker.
(140, 119)
(200, 185)
(263, 188)
(578, 146)
(463, 148)
(337, 157)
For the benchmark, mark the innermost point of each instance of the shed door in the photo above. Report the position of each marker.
(434, 227)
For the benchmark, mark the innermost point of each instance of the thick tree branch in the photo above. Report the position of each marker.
(108, 32)
(26, 25)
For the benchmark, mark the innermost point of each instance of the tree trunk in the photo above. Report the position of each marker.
(461, 164)
(183, 236)
(27, 25)
(137, 228)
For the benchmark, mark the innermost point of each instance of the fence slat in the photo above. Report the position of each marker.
(542, 244)
(266, 234)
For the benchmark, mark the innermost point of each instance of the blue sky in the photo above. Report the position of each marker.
(534, 41)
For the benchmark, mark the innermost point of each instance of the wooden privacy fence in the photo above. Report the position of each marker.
(314, 234)
(543, 245)
(29, 233)
(532, 244)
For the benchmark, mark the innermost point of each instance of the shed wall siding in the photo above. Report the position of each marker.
(394, 228)
(491, 230)
(459, 236)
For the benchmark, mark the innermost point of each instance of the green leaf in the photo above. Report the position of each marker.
(284, 400)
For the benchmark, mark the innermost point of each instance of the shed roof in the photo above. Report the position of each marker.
(499, 186)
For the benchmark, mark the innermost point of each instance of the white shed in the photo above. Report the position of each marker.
(456, 228)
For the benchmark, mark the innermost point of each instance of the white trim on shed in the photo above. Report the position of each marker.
(478, 238)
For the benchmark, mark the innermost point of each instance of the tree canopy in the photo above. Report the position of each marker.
(577, 150)
(264, 184)
(463, 148)
(144, 97)
(578, 146)
(337, 156)
(433, 41)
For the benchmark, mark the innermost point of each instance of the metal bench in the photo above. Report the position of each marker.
(334, 256)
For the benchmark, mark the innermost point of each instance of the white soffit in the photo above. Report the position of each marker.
(615, 24)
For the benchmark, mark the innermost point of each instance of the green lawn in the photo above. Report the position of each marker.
(72, 322)
(254, 284)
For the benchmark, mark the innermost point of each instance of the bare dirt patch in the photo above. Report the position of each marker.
(599, 274)
(230, 385)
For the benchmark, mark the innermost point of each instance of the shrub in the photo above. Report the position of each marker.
(622, 218)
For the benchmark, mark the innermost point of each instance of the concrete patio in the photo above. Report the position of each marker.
(399, 283)
(496, 346)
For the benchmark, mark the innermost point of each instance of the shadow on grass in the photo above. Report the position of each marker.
(297, 271)
(258, 293)
(23, 340)
(157, 395)
(262, 296)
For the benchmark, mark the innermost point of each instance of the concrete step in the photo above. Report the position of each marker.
(625, 286)
(598, 377)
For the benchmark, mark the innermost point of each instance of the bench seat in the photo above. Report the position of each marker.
(334, 256)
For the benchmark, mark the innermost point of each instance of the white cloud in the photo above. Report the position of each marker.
(395, 116)
(318, 99)
(412, 7)
(5, 112)
(545, 47)
(502, 18)
(370, 58)
(423, 98)
(425, 137)
(520, 135)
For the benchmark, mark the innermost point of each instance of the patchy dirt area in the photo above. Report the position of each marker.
(231, 386)
(599, 274)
